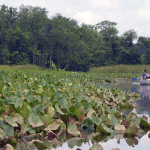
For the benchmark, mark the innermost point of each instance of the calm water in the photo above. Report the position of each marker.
(118, 141)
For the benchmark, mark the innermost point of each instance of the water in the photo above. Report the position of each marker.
(118, 141)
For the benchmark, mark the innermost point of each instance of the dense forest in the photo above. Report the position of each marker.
(28, 36)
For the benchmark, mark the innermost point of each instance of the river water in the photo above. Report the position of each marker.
(117, 141)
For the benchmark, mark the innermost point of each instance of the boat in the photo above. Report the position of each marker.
(144, 82)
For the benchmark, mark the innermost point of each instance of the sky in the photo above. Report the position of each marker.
(128, 14)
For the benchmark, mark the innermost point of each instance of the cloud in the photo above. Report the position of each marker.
(87, 17)
(144, 12)
(104, 3)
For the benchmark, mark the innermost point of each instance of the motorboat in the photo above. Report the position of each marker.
(144, 81)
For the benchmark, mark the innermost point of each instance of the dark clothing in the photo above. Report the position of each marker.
(144, 75)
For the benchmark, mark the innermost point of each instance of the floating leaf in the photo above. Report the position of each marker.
(39, 144)
(50, 111)
(8, 147)
(2, 134)
(25, 111)
(144, 123)
(17, 118)
(132, 129)
(53, 126)
(132, 141)
(113, 120)
(9, 130)
(102, 128)
(46, 120)
(120, 127)
(79, 113)
(72, 142)
(121, 96)
(96, 120)
(11, 121)
(96, 147)
(58, 109)
(72, 129)
(35, 121)
(30, 98)
(88, 123)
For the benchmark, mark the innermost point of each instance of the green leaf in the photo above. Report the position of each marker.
(16, 101)
(113, 110)
(88, 123)
(144, 123)
(46, 120)
(2, 134)
(17, 118)
(102, 128)
(132, 141)
(35, 121)
(132, 129)
(72, 129)
(63, 102)
(38, 98)
(72, 142)
(96, 120)
(30, 98)
(113, 120)
(58, 109)
(2, 122)
(39, 144)
(9, 130)
(25, 111)
(24, 128)
(50, 111)
(11, 121)
(79, 113)
(38, 109)
(121, 96)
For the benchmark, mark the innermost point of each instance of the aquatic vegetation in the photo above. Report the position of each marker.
(47, 106)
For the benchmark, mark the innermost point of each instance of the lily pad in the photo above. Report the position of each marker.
(8, 147)
(53, 126)
(2, 134)
(96, 147)
(88, 123)
(102, 128)
(35, 121)
(144, 123)
(72, 129)
(11, 121)
(120, 127)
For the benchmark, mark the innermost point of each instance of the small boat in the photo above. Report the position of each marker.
(144, 82)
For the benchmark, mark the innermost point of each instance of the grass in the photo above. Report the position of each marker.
(20, 67)
(121, 69)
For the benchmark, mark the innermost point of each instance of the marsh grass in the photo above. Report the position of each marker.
(20, 67)
(120, 69)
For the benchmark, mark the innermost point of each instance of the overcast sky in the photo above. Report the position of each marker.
(128, 14)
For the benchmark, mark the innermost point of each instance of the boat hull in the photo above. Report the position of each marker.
(145, 82)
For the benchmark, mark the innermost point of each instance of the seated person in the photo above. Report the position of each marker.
(144, 75)
(148, 75)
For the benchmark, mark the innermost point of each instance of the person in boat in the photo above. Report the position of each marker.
(144, 75)
(148, 75)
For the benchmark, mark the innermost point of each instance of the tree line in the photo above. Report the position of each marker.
(29, 36)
